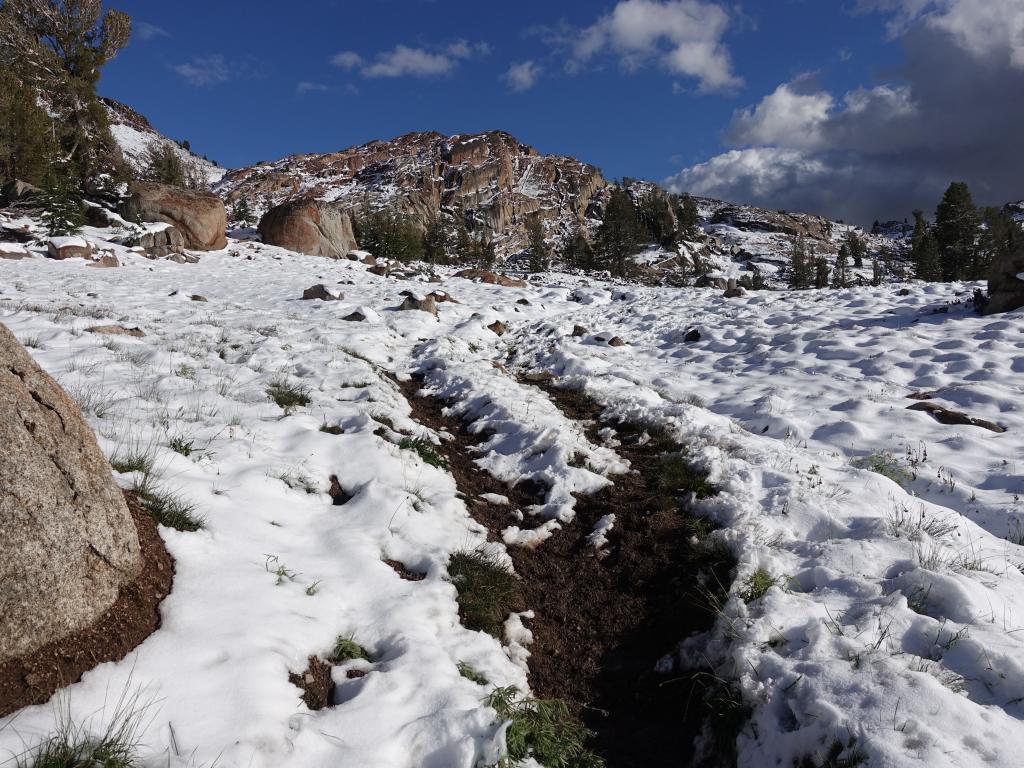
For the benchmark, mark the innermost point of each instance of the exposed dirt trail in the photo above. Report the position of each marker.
(602, 623)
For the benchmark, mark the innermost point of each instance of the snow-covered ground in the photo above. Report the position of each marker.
(894, 626)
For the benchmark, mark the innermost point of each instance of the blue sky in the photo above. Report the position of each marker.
(646, 88)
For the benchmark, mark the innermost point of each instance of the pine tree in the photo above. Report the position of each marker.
(539, 253)
(839, 274)
(578, 253)
(465, 248)
(619, 233)
(857, 247)
(389, 236)
(655, 216)
(435, 241)
(63, 212)
(957, 227)
(876, 272)
(821, 271)
(484, 254)
(689, 218)
(1000, 237)
(799, 267)
(241, 213)
(27, 143)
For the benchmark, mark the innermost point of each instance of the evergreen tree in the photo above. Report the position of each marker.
(619, 233)
(1000, 237)
(241, 213)
(876, 272)
(389, 236)
(578, 253)
(839, 274)
(63, 212)
(857, 248)
(57, 48)
(539, 254)
(484, 254)
(757, 278)
(465, 248)
(655, 215)
(924, 253)
(821, 271)
(799, 266)
(27, 143)
(164, 164)
(689, 218)
(435, 241)
(956, 231)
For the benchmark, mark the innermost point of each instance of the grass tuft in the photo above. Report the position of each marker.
(471, 674)
(425, 451)
(542, 729)
(757, 585)
(287, 395)
(487, 590)
(884, 464)
(133, 460)
(678, 476)
(166, 507)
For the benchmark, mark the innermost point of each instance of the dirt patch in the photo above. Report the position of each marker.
(404, 572)
(603, 623)
(316, 684)
(133, 617)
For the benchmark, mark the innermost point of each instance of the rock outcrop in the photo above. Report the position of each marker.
(491, 181)
(69, 542)
(1006, 284)
(309, 227)
(199, 216)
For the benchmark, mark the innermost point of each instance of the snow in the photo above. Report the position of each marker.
(897, 612)
(69, 242)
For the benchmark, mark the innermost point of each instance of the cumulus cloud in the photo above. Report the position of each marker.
(204, 71)
(522, 76)
(405, 61)
(880, 151)
(683, 36)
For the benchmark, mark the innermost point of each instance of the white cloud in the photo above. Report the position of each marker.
(784, 117)
(204, 71)
(684, 36)
(147, 31)
(348, 60)
(405, 61)
(304, 87)
(522, 76)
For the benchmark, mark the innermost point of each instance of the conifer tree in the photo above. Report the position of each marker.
(839, 274)
(689, 218)
(241, 213)
(435, 241)
(28, 146)
(956, 232)
(799, 266)
(876, 272)
(821, 271)
(389, 236)
(857, 248)
(63, 212)
(539, 254)
(578, 253)
(655, 216)
(618, 235)
(1000, 236)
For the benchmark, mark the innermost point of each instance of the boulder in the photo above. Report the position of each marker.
(498, 328)
(691, 336)
(106, 260)
(69, 541)
(616, 341)
(199, 216)
(945, 415)
(1006, 284)
(425, 304)
(68, 248)
(15, 191)
(579, 330)
(321, 292)
(492, 278)
(310, 227)
(160, 243)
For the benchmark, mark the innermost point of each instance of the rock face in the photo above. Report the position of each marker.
(1006, 284)
(69, 541)
(199, 216)
(490, 180)
(306, 226)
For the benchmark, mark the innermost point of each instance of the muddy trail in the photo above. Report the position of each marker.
(603, 622)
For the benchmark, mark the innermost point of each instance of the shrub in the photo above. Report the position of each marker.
(487, 590)
(542, 729)
(884, 464)
(755, 587)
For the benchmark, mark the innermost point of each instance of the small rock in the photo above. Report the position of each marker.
(498, 327)
(106, 260)
(524, 302)
(197, 297)
(691, 336)
(945, 415)
(579, 330)
(903, 292)
(491, 278)
(615, 341)
(116, 330)
(178, 258)
(734, 293)
(380, 269)
(426, 304)
(321, 292)
(355, 317)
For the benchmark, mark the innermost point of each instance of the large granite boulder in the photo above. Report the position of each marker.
(310, 227)
(69, 541)
(1006, 284)
(199, 216)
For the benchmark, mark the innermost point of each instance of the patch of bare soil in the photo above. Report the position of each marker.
(603, 623)
(133, 617)
(316, 684)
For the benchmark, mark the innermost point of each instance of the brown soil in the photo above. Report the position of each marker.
(316, 684)
(131, 619)
(404, 572)
(603, 623)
